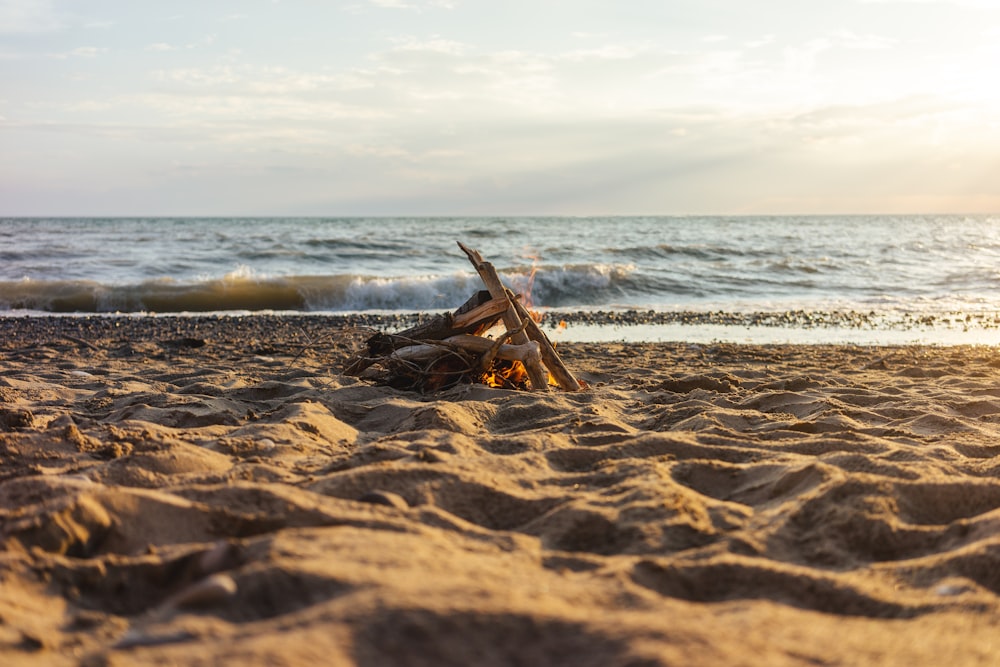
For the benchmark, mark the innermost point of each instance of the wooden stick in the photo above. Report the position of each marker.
(486, 361)
(463, 320)
(565, 379)
(487, 313)
(525, 353)
(475, 316)
(537, 374)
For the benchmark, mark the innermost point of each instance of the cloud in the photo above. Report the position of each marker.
(29, 16)
(606, 52)
(762, 41)
(80, 52)
(257, 81)
(204, 42)
(985, 4)
(88, 52)
(433, 45)
(866, 42)
(414, 4)
(436, 77)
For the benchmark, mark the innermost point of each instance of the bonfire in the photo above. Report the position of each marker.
(455, 347)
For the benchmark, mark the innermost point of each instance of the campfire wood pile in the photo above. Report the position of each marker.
(452, 347)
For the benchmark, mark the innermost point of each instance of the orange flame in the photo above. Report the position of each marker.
(526, 299)
(511, 375)
(507, 374)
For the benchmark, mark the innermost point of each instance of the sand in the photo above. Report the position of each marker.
(212, 491)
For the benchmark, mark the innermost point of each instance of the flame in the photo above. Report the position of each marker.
(529, 284)
(512, 375)
(506, 374)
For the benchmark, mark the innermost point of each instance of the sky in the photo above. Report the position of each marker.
(520, 107)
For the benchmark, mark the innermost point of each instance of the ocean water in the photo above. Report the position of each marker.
(915, 273)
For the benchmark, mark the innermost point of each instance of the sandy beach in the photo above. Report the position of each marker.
(206, 491)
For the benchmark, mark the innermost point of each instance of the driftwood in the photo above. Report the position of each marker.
(563, 377)
(450, 347)
(525, 353)
(476, 315)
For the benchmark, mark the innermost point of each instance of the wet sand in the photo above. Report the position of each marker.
(212, 490)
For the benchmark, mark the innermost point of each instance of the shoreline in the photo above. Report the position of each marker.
(631, 326)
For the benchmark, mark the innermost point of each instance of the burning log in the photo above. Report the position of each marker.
(563, 377)
(451, 347)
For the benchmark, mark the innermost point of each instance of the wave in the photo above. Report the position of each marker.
(244, 291)
(696, 251)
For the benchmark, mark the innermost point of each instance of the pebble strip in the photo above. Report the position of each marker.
(190, 331)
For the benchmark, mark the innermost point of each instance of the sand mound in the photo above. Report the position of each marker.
(166, 502)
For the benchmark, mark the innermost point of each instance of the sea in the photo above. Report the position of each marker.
(931, 279)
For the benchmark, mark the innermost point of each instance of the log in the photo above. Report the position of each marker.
(537, 374)
(564, 378)
(476, 315)
(480, 318)
(526, 353)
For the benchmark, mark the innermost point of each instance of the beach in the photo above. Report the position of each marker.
(212, 490)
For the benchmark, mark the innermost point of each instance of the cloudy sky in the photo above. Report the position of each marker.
(519, 107)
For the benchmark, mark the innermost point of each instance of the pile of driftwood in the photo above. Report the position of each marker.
(452, 347)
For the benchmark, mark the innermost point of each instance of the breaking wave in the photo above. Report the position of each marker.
(591, 285)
